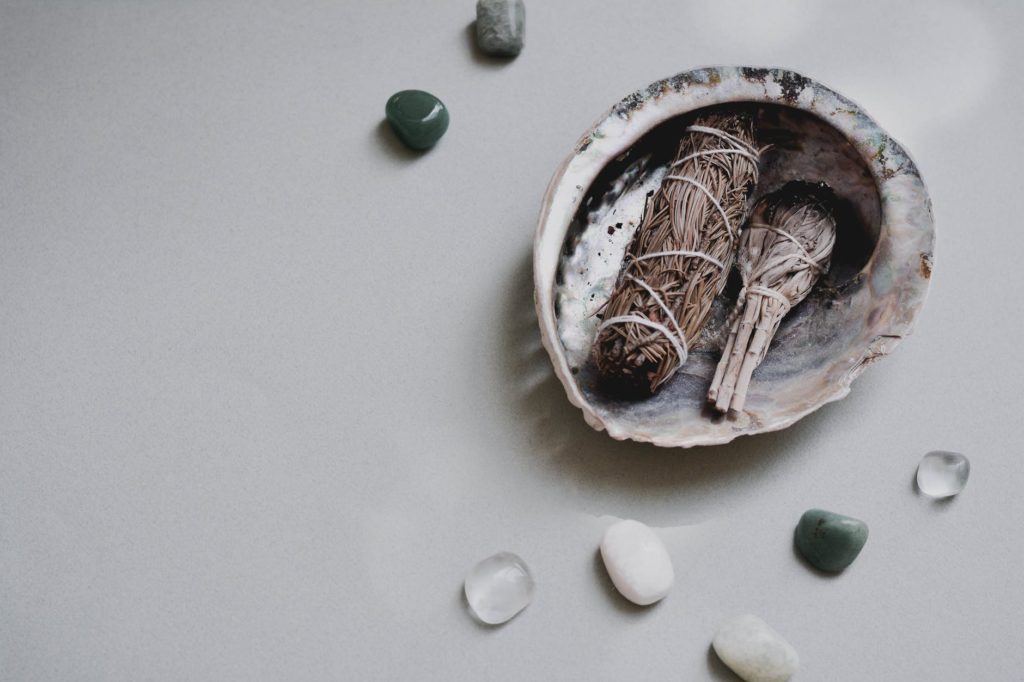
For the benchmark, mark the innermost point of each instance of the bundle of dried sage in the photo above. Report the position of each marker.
(784, 249)
(680, 256)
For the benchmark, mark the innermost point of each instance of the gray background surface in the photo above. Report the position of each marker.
(270, 385)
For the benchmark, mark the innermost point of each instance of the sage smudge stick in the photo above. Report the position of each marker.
(785, 248)
(680, 256)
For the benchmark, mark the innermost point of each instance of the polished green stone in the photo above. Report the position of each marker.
(830, 541)
(418, 118)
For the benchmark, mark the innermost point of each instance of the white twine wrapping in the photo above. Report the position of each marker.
(804, 256)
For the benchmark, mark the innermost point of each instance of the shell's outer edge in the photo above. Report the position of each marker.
(906, 231)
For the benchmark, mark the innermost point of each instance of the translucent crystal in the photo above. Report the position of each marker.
(943, 474)
(499, 587)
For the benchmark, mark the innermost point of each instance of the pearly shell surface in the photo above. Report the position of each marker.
(856, 316)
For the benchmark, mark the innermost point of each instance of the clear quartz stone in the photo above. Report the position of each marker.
(943, 474)
(499, 587)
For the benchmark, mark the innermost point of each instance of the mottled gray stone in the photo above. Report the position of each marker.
(500, 27)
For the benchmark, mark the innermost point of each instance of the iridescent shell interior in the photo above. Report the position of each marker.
(856, 313)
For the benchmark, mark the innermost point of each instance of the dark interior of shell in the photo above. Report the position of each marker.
(800, 146)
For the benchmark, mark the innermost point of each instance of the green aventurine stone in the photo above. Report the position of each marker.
(830, 541)
(418, 118)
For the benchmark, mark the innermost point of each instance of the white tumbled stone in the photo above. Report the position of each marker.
(637, 561)
(754, 651)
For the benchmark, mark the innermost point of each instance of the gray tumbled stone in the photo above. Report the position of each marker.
(500, 27)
